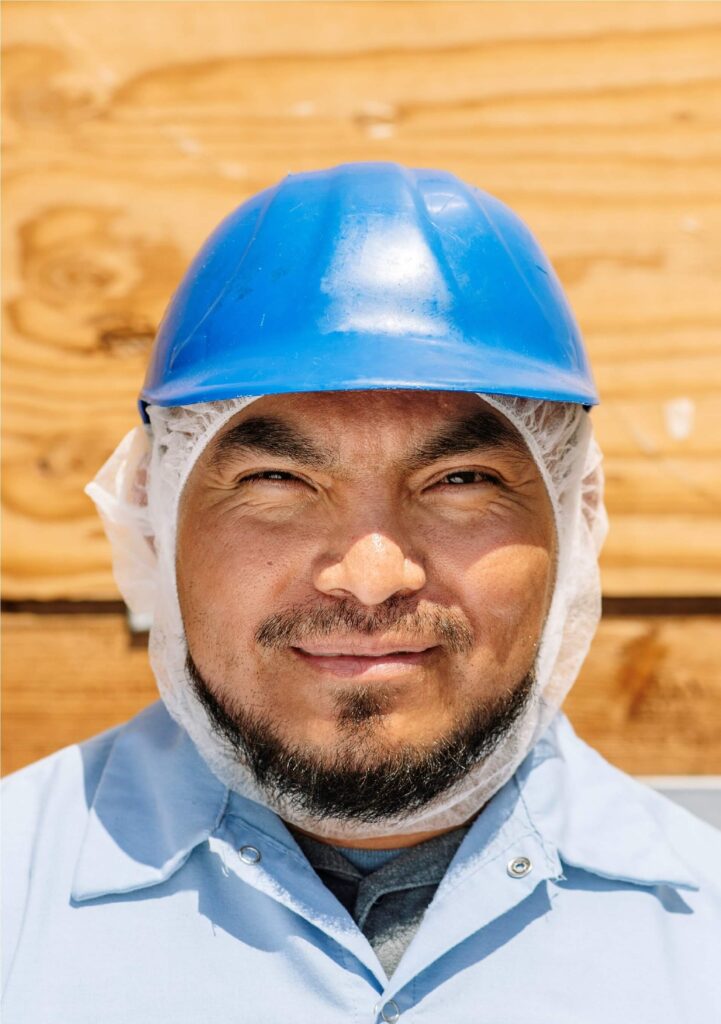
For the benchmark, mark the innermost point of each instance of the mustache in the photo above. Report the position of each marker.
(430, 625)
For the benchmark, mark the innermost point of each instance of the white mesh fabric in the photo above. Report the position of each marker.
(140, 517)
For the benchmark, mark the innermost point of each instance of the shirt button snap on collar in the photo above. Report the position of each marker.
(249, 854)
(519, 866)
(390, 1012)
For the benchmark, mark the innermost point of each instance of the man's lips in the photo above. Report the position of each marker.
(365, 658)
(364, 648)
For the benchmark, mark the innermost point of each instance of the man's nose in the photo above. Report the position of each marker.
(372, 569)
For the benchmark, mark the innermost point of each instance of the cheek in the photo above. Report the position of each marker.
(518, 577)
(506, 594)
(230, 574)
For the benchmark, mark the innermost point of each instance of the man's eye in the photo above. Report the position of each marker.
(274, 475)
(468, 476)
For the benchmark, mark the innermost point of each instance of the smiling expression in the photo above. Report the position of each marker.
(381, 559)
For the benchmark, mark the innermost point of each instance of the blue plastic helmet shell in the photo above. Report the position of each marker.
(369, 275)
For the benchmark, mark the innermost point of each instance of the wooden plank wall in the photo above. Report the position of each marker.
(131, 129)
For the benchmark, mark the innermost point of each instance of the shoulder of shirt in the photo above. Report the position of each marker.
(26, 791)
(27, 787)
(695, 841)
(45, 808)
(69, 776)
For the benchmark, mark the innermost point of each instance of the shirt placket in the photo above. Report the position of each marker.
(285, 876)
(485, 881)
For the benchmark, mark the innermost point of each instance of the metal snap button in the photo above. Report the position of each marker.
(519, 866)
(249, 854)
(390, 1012)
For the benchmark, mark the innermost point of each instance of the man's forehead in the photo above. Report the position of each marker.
(319, 411)
(316, 427)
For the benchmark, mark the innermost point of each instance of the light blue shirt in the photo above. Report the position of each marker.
(140, 890)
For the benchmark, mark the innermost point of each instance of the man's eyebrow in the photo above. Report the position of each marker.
(483, 430)
(269, 436)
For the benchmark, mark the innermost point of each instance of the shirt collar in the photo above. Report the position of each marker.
(598, 818)
(157, 800)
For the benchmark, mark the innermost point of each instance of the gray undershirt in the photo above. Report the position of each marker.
(386, 892)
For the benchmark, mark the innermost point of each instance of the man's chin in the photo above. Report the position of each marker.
(364, 776)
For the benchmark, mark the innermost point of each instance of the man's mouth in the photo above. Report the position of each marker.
(365, 658)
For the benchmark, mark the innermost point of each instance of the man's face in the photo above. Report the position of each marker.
(363, 579)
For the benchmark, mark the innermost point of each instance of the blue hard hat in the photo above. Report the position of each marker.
(369, 275)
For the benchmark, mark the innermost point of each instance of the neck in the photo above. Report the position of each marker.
(398, 842)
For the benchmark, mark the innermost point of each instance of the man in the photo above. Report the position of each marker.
(364, 513)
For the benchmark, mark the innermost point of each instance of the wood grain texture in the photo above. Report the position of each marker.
(131, 129)
(649, 694)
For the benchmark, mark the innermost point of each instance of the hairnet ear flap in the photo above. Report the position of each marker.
(592, 506)
(120, 495)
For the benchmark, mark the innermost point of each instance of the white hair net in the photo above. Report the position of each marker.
(137, 493)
